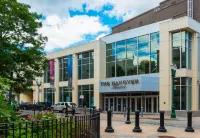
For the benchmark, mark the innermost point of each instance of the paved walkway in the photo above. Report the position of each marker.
(149, 125)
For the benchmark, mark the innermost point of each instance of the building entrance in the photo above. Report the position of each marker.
(120, 104)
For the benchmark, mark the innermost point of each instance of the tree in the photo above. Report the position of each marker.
(21, 46)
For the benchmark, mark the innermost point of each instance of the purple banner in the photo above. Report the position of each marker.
(52, 71)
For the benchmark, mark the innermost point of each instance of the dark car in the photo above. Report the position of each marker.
(42, 106)
(25, 106)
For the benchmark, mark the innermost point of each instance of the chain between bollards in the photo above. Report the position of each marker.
(137, 122)
(109, 122)
(162, 125)
(189, 122)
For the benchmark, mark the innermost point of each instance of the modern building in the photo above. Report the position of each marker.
(131, 66)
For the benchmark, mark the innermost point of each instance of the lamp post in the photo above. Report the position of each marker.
(173, 74)
(38, 82)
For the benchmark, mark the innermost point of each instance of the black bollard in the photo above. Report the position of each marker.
(109, 122)
(137, 122)
(162, 125)
(128, 115)
(189, 122)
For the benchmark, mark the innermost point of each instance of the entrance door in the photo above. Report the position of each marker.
(111, 104)
(119, 109)
(148, 104)
(139, 103)
(106, 104)
(155, 104)
(124, 104)
(132, 104)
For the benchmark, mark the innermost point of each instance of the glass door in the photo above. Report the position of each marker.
(132, 104)
(106, 104)
(119, 109)
(155, 104)
(124, 104)
(111, 104)
(148, 104)
(115, 104)
(139, 103)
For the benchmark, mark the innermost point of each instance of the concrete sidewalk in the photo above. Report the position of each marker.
(149, 125)
(123, 130)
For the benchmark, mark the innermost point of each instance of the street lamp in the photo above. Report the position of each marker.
(173, 74)
(38, 82)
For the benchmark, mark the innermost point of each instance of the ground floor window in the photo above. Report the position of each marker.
(183, 93)
(86, 95)
(49, 94)
(65, 94)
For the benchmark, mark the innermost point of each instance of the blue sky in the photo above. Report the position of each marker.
(69, 23)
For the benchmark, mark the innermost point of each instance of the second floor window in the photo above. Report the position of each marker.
(65, 68)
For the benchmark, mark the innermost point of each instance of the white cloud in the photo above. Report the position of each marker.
(62, 32)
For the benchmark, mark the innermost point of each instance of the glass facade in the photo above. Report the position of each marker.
(139, 55)
(183, 93)
(47, 75)
(86, 95)
(65, 94)
(86, 65)
(65, 68)
(182, 49)
(49, 95)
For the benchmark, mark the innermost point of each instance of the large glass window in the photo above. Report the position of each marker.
(65, 68)
(86, 95)
(49, 95)
(138, 55)
(65, 94)
(183, 93)
(86, 65)
(182, 49)
(47, 75)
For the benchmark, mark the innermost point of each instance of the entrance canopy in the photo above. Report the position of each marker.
(146, 82)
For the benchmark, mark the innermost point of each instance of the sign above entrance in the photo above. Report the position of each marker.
(147, 82)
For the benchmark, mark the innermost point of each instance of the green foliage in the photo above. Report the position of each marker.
(21, 46)
(5, 108)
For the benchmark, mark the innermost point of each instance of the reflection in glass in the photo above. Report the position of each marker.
(110, 52)
(155, 36)
(176, 36)
(88, 92)
(177, 97)
(183, 98)
(143, 46)
(132, 41)
(144, 38)
(176, 57)
(131, 67)
(154, 47)
(121, 50)
(120, 68)
(154, 63)
(120, 44)
(110, 69)
(110, 46)
(85, 71)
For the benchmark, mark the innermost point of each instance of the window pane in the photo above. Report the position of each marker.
(183, 81)
(144, 38)
(110, 52)
(120, 44)
(176, 36)
(121, 56)
(177, 43)
(85, 71)
(183, 57)
(131, 41)
(120, 68)
(121, 50)
(110, 46)
(79, 72)
(131, 54)
(177, 97)
(131, 67)
(189, 64)
(79, 56)
(177, 81)
(143, 46)
(176, 57)
(189, 98)
(131, 48)
(183, 98)
(154, 63)
(85, 60)
(110, 58)
(154, 47)
(91, 70)
(110, 69)
(85, 88)
(155, 36)
(143, 65)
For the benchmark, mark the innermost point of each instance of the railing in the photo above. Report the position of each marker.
(87, 126)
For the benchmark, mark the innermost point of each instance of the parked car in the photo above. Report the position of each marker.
(25, 106)
(61, 106)
(42, 106)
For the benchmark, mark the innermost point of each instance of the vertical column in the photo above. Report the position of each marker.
(56, 79)
(75, 78)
